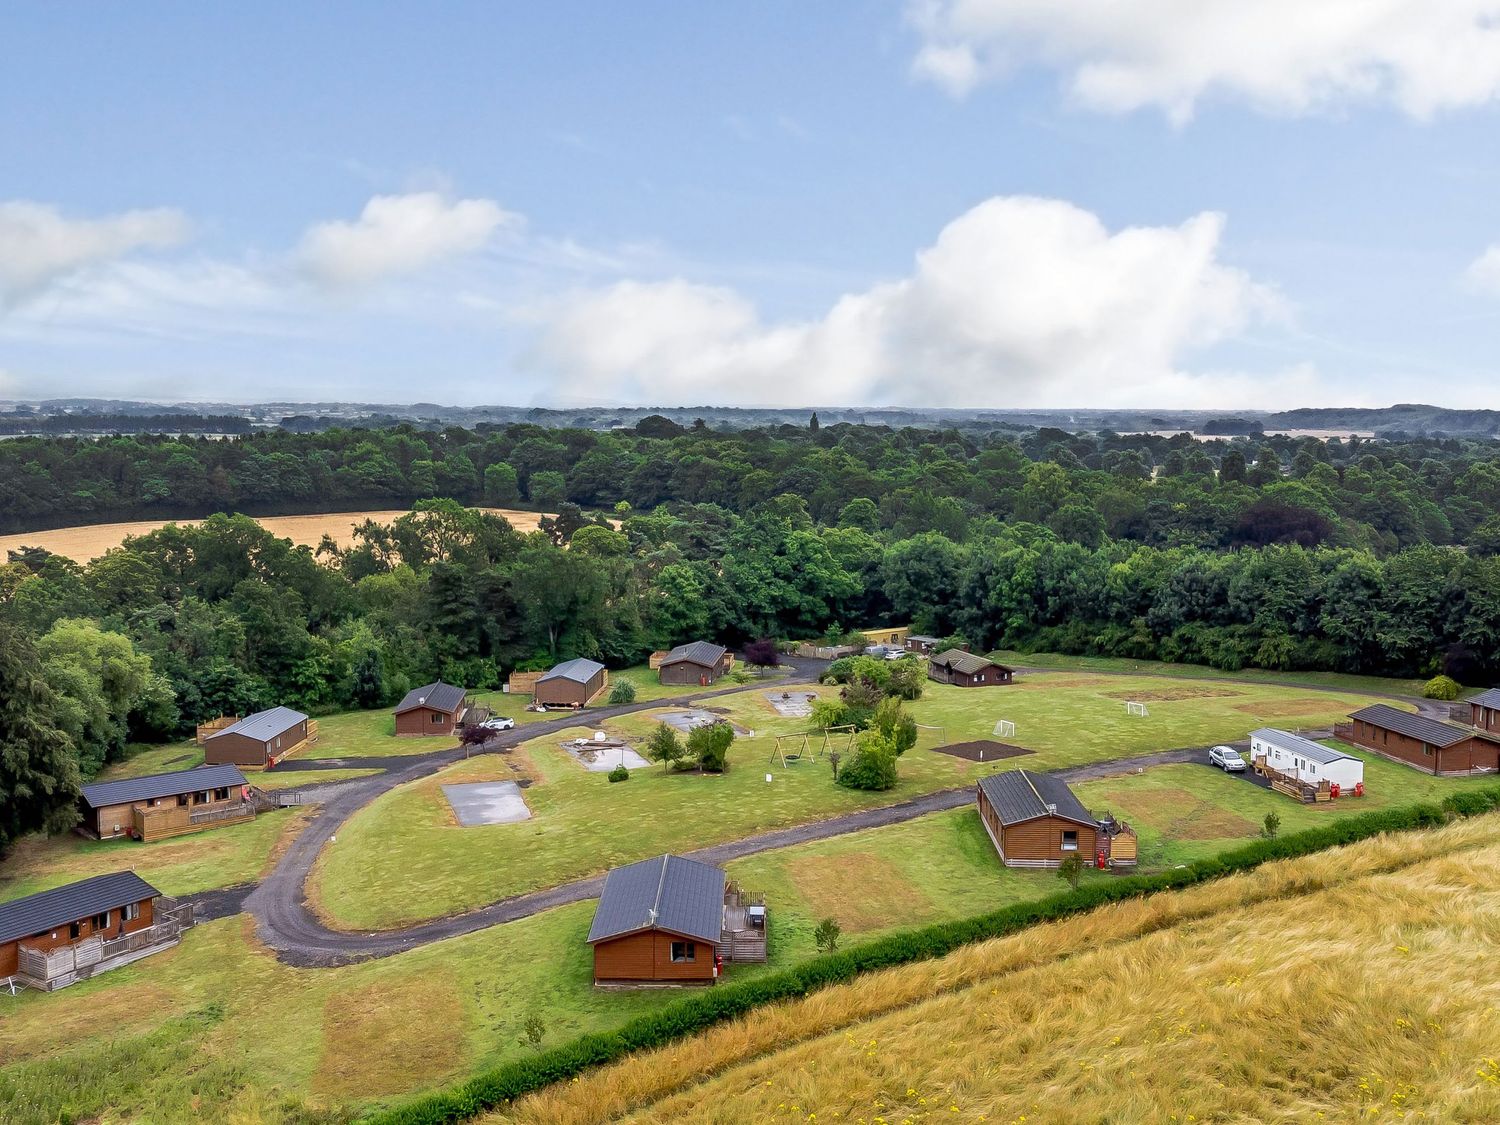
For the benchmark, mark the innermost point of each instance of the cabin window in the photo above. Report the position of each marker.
(1070, 840)
(101, 921)
(130, 912)
(182, 800)
(75, 930)
(437, 718)
(221, 794)
(684, 951)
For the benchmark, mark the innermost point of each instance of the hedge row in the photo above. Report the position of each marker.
(702, 1009)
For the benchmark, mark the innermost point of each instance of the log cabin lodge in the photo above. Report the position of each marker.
(258, 741)
(699, 663)
(1035, 820)
(965, 669)
(165, 804)
(570, 684)
(437, 708)
(1429, 744)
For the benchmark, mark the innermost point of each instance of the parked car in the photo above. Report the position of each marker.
(895, 654)
(497, 722)
(1227, 758)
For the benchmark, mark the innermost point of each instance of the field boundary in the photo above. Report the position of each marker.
(695, 1013)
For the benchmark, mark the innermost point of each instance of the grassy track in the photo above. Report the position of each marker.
(581, 824)
(1338, 986)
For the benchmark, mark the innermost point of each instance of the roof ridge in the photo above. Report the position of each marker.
(1026, 777)
(661, 882)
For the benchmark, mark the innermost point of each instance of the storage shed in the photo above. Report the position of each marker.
(570, 684)
(1034, 819)
(966, 669)
(436, 708)
(1304, 760)
(698, 663)
(47, 938)
(165, 804)
(1429, 744)
(258, 740)
(659, 920)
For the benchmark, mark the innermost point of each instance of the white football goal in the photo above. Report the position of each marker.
(1134, 708)
(1005, 729)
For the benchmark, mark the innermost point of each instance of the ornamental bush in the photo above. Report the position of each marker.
(619, 773)
(1441, 687)
(622, 692)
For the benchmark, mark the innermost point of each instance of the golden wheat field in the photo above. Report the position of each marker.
(83, 544)
(1359, 984)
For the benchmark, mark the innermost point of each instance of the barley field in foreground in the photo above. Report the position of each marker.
(1356, 984)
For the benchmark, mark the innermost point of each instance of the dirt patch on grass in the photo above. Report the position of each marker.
(983, 750)
(390, 1037)
(863, 891)
(1177, 814)
(289, 832)
(1173, 694)
(1289, 707)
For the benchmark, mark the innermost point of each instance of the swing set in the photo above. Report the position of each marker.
(793, 748)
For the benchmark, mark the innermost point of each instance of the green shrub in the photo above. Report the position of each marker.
(619, 773)
(873, 765)
(664, 746)
(622, 692)
(1441, 687)
(703, 1009)
(710, 745)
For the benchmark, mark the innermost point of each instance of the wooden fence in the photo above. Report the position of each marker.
(213, 726)
(523, 683)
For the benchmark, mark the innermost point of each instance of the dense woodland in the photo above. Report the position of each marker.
(1282, 554)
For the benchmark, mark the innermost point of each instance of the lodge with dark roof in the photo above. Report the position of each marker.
(437, 708)
(966, 669)
(58, 937)
(259, 740)
(1428, 744)
(165, 804)
(570, 684)
(1035, 820)
(698, 662)
(1484, 711)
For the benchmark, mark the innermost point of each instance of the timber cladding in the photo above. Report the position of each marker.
(1429, 745)
(648, 956)
(1035, 820)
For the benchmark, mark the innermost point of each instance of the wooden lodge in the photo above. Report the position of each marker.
(1303, 769)
(1034, 820)
(165, 804)
(59, 937)
(922, 645)
(260, 740)
(1429, 744)
(573, 683)
(965, 669)
(1484, 711)
(671, 920)
(698, 663)
(437, 708)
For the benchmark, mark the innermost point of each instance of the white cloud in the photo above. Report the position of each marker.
(39, 245)
(399, 234)
(1020, 301)
(1483, 274)
(1284, 56)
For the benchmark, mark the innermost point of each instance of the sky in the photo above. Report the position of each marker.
(962, 203)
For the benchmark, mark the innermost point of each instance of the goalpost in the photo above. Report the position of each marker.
(942, 733)
(1137, 709)
(1005, 729)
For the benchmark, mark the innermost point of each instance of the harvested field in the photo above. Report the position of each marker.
(983, 750)
(885, 895)
(1172, 694)
(1178, 814)
(83, 544)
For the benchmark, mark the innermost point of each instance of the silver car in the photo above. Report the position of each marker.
(1227, 758)
(498, 722)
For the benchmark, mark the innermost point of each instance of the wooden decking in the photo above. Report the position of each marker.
(740, 941)
(1291, 785)
(49, 970)
(166, 821)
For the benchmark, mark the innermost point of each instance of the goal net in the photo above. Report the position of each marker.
(1134, 708)
(1005, 729)
(942, 733)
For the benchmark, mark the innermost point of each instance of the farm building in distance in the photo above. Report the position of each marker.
(1303, 768)
(571, 684)
(1034, 820)
(1429, 744)
(58, 937)
(895, 635)
(165, 804)
(437, 708)
(1484, 711)
(673, 920)
(259, 740)
(965, 669)
(698, 663)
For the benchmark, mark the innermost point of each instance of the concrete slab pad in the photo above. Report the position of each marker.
(602, 759)
(487, 802)
(792, 704)
(688, 720)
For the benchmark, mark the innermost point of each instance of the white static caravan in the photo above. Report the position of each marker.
(1306, 760)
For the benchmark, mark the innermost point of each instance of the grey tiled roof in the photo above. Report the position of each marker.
(966, 662)
(697, 652)
(129, 789)
(38, 913)
(1020, 795)
(1489, 698)
(263, 725)
(580, 671)
(439, 696)
(1423, 729)
(1296, 744)
(670, 893)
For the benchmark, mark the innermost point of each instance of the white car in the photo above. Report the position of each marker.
(497, 722)
(895, 654)
(1227, 758)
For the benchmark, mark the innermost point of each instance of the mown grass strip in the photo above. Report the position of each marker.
(704, 1009)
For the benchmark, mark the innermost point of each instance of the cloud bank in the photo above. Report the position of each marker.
(1282, 56)
(39, 245)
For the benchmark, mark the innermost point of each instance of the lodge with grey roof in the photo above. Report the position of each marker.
(165, 804)
(1429, 744)
(698, 662)
(435, 708)
(260, 740)
(573, 683)
(1035, 820)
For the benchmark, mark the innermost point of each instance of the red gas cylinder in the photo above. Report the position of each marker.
(1101, 861)
(1359, 788)
(1334, 790)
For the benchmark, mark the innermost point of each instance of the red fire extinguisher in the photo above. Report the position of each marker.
(1101, 860)
(718, 965)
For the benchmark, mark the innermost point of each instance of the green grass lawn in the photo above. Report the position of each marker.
(216, 857)
(1119, 666)
(402, 859)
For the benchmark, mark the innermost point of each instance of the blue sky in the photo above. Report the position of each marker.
(957, 202)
